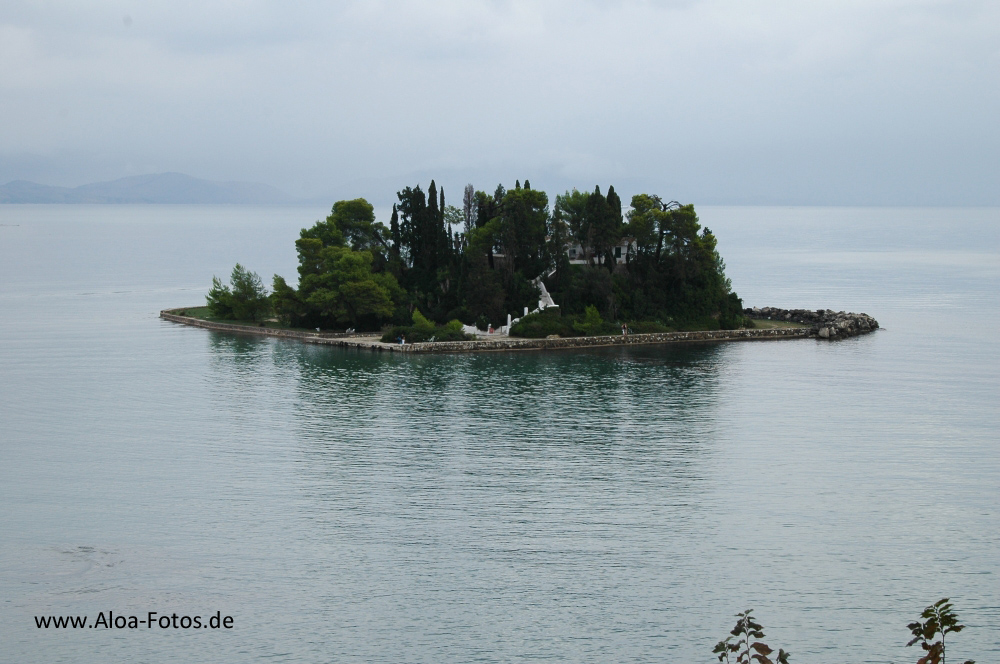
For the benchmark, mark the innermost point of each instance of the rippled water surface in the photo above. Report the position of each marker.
(604, 505)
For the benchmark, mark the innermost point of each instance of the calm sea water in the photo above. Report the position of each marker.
(603, 506)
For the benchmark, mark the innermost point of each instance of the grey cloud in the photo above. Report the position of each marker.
(827, 102)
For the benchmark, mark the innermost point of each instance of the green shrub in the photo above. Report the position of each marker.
(421, 322)
(544, 324)
(549, 322)
(444, 334)
(592, 322)
(391, 335)
(415, 334)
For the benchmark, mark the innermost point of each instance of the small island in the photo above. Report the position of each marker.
(505, 271)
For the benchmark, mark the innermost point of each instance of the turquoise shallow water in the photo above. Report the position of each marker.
(605, 505)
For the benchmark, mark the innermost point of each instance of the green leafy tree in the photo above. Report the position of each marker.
(484, 209)
(356, 221)
(343, 288)
(327, 232)
(220, 299)
(571, 208)
(286, 303)
(483, 290)
(245, 298)
(469, 208)
(644, 222)
(939, 620)
(675, 271)
(487, 209)
(453, 216)
(250, 297)
(744, 643)
(344, 276)
(523, 226)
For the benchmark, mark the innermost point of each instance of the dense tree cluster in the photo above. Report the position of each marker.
(481, 262)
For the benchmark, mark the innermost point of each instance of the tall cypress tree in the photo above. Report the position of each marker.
(431, 228)
(613, 225)
(396, 240)
(598, 218)
(432, 199)
(482, 215)
(412, 228)
(614, 207)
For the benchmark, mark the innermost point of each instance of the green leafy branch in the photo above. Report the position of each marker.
(744, 642)
(744, 645)
(938, 619)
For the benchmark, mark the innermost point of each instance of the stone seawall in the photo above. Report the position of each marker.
(261, 331)
(613, 340)
(371, 341)
(824, 323)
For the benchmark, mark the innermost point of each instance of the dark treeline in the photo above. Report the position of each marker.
(481, 262)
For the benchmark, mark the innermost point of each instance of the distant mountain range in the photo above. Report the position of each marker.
(159, 188)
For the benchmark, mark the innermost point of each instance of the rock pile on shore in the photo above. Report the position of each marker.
(825, 323)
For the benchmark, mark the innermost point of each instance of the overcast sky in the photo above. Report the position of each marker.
(843, 102)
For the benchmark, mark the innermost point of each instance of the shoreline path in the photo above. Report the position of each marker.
(851, 325)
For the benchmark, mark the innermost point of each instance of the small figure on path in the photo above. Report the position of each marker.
(624, 330)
